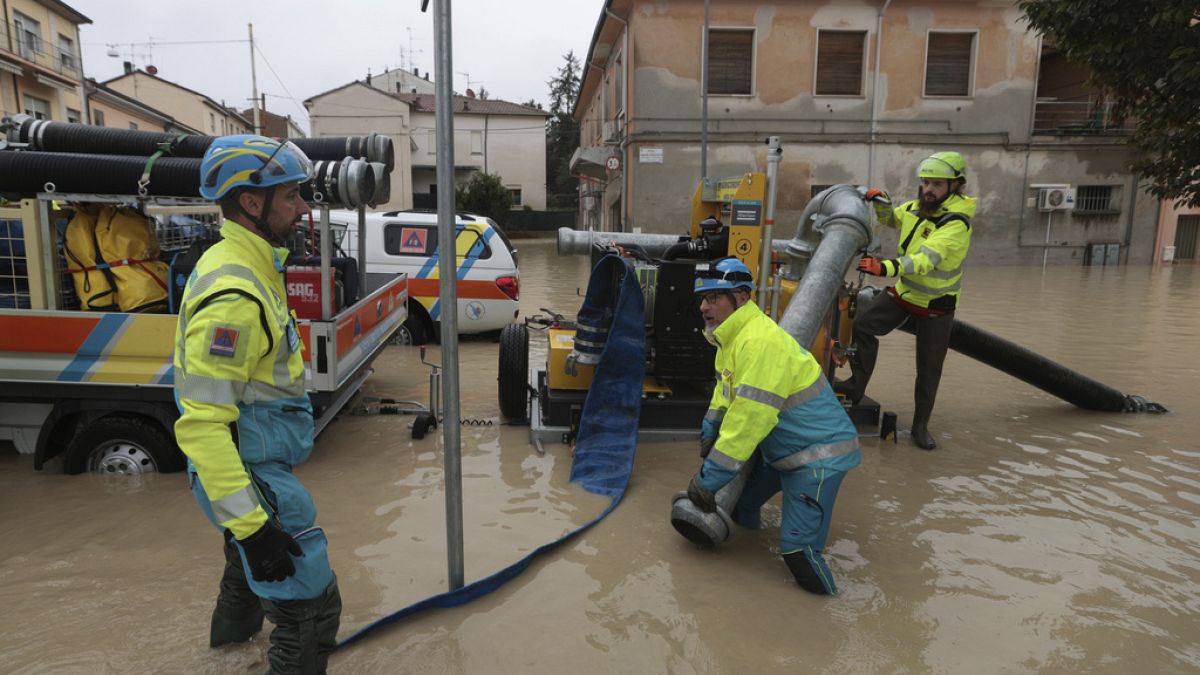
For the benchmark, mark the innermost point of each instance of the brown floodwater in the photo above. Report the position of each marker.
(1038, 537)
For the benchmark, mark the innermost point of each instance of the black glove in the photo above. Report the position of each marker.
(267, 553)
(703, 499)
(706, 446)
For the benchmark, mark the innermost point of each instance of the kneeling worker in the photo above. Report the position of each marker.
(770, 395)
(238, 361)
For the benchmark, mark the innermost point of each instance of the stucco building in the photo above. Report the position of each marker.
(188, 107)
(490, 135)
(859, 92)
(110, 108)
(41, 66)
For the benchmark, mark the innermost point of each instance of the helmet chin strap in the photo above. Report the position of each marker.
(260, 223)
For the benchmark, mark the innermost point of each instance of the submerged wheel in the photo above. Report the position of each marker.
(513, 373)
(414, 331)
(119, 445)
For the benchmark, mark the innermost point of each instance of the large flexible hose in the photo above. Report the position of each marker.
(47, 136)
(347, 182)
(1039, 371)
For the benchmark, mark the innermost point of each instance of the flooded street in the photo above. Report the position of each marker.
(1037, 537)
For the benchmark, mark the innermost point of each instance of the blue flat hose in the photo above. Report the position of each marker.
(603, 459)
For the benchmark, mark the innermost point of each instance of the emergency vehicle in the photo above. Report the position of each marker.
(97, 386)
(405, 242)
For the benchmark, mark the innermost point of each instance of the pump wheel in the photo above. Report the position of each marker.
(121, 445)
(512, 389)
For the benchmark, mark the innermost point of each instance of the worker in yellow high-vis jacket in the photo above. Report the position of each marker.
(771, 396)
(245, 418)
(935, 235)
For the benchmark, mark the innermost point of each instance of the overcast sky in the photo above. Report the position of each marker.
(511, 49)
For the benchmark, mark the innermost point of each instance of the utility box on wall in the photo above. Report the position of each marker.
(1102, 254)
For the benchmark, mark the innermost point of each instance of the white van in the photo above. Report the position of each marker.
(407, 241)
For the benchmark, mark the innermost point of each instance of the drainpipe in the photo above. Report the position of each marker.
(625, 126)
(875, 92)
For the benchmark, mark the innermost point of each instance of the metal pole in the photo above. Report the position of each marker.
(326, 251)
(875, 94)
(1046, 248)
(361, 243)
(254, 84)
(774, 154)
(447, 270)
(704, 100)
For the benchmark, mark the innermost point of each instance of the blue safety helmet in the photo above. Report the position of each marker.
(725, 274)
(250, 161)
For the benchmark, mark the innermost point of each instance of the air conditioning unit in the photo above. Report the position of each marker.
(1056, 198)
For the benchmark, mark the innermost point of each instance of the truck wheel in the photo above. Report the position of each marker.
(414, 331)
(118, 445)
(512, 388)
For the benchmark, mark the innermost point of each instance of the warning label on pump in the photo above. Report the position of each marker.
(746, 211)
(413, 239)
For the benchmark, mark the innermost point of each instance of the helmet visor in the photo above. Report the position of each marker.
(288, 160)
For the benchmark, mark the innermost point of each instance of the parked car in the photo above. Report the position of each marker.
(407, 241)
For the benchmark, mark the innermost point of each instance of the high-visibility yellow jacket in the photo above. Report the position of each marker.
(238, 361)
(771, 395)
(932, 251)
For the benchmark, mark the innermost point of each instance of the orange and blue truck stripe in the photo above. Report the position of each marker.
(424, 286)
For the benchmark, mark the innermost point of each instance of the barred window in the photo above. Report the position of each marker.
(818, 189)
(839, 62)
(730, 61)
(948, 64)
(1094, 198)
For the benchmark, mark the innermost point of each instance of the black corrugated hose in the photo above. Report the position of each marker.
(47, 136)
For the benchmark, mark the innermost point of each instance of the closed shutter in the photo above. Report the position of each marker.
(839, 63)
(1186, 230)
(730, 61)
(948, 64)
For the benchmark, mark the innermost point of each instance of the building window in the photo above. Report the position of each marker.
(476, 142)
(133, 126)
(840, 62)
(948, 64)
(29, 36)
(73, 116)
(515, 195)
(730, 61)
(1094, 199)
(212, 123)
(66, 52)
(432, 142)
(98, 117)
(37, 108)
(1186, 229)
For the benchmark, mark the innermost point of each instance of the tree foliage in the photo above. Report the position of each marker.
(562, 135)
(1145, 54)
(484, 195)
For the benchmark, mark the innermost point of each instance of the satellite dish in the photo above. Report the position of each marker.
(151, 70)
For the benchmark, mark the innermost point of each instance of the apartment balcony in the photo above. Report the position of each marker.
(33, 49)
(1087, 116)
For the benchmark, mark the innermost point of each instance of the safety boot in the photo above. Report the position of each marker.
(920, 432)
(238, 615)
(811, 573)
(848, 389)
(305, 632)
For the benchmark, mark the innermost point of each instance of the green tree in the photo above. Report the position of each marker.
(485, 195)
(562, 136)
(1145, 54)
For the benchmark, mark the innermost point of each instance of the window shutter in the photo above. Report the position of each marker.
(839, 63)
(948, 64)
(730, 60)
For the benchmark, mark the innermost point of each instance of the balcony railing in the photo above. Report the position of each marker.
(37, 51)
(1070, 118)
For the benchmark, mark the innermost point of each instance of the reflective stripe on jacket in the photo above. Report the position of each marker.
(238, 361)
(771, 395)
(932, 251)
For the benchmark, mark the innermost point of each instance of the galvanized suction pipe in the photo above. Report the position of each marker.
(839, 220)
(581, 242)
(447, 261)
(774, 154)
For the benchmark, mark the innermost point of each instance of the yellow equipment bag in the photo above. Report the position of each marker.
(92, 283)
(125, 253)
